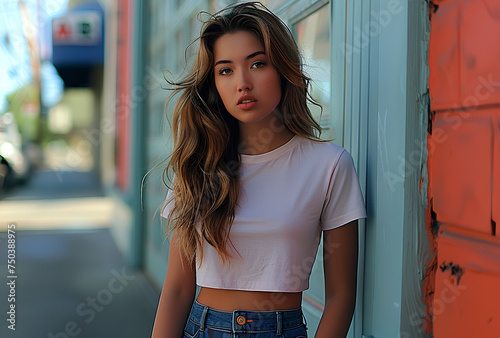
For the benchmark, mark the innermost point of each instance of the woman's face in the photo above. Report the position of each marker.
(247, 82)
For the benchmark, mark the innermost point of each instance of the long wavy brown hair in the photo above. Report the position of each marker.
(205, 161)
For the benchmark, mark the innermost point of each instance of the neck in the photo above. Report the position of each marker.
(260, 138)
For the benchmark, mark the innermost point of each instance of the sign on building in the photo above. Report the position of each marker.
(77, 28)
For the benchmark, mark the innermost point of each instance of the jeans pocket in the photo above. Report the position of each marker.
(191, 329)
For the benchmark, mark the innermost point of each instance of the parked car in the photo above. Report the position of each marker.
(14, 163)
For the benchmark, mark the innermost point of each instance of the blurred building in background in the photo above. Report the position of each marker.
(78, 56)
(370, 64)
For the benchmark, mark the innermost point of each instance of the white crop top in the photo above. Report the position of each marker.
(288, 196)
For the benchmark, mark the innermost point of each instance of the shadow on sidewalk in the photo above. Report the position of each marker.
(57, 200)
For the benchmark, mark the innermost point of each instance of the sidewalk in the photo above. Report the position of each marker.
(71, 279)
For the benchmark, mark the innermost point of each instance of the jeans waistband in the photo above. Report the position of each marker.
(246, 321)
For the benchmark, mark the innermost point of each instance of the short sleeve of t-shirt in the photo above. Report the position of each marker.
(168, 204)
(344, 201)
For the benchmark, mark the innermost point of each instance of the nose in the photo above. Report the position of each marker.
(244, 82)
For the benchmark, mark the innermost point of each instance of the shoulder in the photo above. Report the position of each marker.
(323, 151)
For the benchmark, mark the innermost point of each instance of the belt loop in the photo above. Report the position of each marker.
(203, 318)
(304, 321)
(233, 321)
(279, 323)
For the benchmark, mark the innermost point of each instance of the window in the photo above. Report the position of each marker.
(274, 4)
(313, 37)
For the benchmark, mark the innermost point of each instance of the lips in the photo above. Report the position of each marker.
(245, 99)
(246, 102)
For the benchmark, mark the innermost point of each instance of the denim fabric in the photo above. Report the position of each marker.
(205, 322)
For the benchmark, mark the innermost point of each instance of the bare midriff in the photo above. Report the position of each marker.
(230, 300)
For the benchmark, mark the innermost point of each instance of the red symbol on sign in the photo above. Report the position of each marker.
(63, 31)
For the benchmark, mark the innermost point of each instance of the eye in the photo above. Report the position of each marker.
(224, 71)
(258, 64)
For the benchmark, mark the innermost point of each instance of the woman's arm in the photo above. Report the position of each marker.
(340, 260)
(176, 297)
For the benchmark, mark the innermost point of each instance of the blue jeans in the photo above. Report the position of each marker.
(204, 322)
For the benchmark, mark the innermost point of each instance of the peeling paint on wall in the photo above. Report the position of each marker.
(455, 269)
(467, 295)
(461, 286)
(415, 254)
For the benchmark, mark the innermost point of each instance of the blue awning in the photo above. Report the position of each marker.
(78, 43)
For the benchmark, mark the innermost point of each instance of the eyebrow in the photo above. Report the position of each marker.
(247, 58)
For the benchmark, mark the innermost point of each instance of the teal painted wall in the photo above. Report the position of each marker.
(396, 162)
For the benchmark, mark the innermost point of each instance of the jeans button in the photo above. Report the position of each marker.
(241, 320)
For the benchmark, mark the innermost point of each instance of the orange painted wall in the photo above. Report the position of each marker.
(463, 286)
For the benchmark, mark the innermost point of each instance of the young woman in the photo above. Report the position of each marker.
(253, 190)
